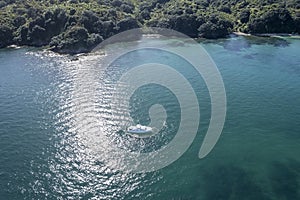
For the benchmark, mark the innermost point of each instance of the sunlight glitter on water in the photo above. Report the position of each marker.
(48, 115)
(81, 121)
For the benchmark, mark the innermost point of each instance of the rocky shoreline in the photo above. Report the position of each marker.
(72, 27)
(79, 50)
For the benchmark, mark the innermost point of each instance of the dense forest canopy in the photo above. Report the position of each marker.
(78, 25)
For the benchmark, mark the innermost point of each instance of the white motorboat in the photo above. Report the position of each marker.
(139, 129)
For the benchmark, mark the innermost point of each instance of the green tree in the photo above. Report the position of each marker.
(6, 36)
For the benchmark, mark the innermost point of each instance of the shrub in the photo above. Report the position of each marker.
(6, 36)
(127, 24)
(216, 27)
(2, 4)
(244, 16)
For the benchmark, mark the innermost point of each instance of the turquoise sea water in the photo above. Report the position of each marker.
(47, 107)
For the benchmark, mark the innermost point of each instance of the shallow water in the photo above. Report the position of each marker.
(50, 104)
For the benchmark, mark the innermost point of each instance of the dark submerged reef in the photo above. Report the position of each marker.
(233, 182)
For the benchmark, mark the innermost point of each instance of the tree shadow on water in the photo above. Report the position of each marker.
(231, 182)
(241, 43)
